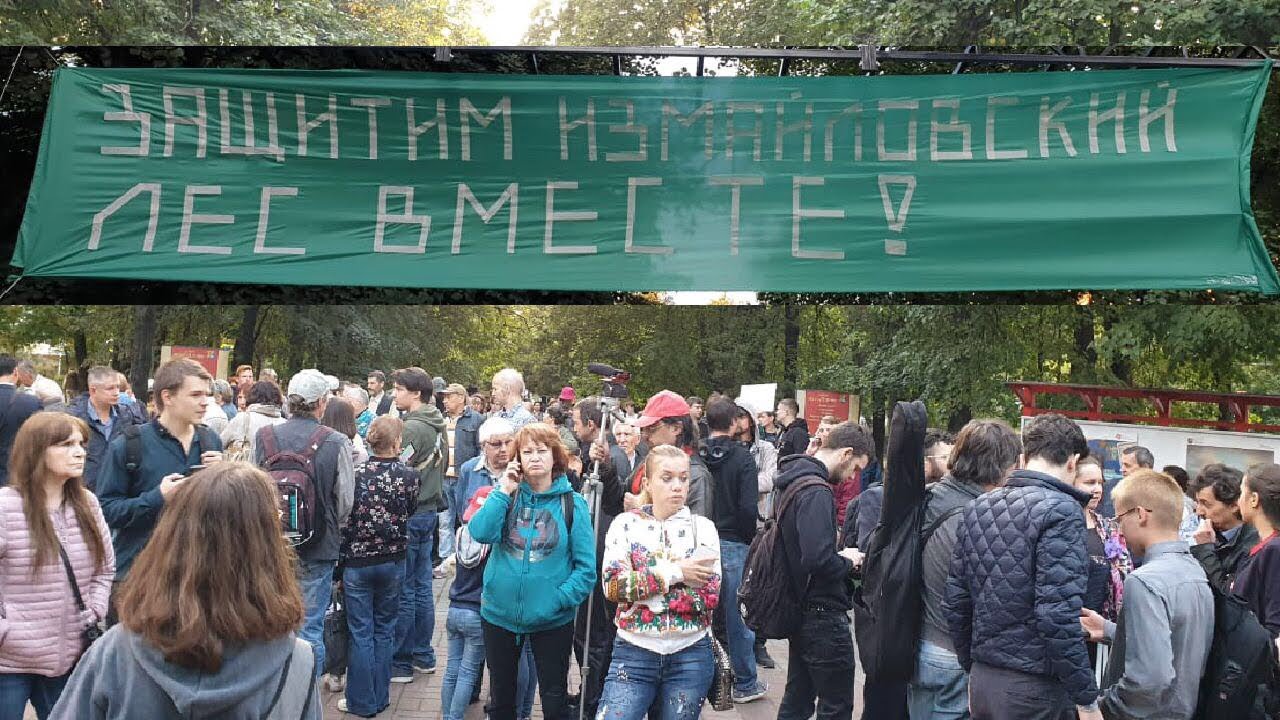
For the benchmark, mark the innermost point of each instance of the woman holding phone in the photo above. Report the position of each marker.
(541, 567)
(662, 568)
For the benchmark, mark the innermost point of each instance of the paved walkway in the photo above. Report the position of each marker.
(420, 700)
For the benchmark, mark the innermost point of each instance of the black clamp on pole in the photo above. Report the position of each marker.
(870, 59)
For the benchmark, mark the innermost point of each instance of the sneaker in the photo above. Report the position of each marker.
(755, 694)
(402, 677)
(424, 669)
(342, 707)
(762, 657)
(335, 683)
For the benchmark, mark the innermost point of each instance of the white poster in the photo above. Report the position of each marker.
(761, 396)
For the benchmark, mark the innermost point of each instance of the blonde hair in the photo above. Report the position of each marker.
(662, 452)
(1154, 491)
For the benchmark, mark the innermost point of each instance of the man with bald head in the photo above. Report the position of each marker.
(508, 392)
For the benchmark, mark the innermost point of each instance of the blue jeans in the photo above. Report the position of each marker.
(679, 682)
(742, 651)
(16, 689)
(316, 578)
(373, 604)
(417, 605)
(466, 657)
(526, 683)
(446, 519)
(940, 687)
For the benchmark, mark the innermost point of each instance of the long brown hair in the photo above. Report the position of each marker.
(217, 570)
(27, 473)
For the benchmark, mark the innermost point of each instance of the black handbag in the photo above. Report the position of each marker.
(721, 693)
(91, 633)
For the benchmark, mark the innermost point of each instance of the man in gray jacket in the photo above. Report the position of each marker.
(1161, 644)
(335, 486)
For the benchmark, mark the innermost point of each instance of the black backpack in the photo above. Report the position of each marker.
(768, 598)
(1242, 659)
(294, 474)
(133, 446)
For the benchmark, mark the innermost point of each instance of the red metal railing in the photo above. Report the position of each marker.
(1230, 405)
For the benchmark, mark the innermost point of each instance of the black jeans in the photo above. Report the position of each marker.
(551, 650)
(1000, 694)
(820, 664)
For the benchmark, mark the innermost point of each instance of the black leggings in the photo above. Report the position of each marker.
(551, 650)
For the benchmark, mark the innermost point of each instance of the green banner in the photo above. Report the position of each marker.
(1122, 179)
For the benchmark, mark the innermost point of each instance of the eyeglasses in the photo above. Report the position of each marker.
(1126, 512)
(495, 444)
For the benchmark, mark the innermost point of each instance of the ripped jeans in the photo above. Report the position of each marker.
(637, 677)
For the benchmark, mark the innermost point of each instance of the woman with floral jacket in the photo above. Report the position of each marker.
(662, 568)
(1108, 554)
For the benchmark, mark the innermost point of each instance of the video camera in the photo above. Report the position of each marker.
(615, 381)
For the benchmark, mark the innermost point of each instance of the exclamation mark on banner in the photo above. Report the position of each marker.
(897, 220)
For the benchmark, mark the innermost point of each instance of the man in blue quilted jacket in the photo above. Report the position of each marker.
(1017, 584)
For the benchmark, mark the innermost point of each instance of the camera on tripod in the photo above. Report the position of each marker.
(615, 387)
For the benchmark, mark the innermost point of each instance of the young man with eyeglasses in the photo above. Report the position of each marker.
(937, 450)
(1161, 642)
(1017, 583)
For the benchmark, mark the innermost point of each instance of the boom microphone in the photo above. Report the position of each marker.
(603, 370)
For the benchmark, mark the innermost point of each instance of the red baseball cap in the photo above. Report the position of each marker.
(476, 501)
(568, 394)
(665, 404)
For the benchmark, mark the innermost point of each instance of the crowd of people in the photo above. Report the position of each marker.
(180, 554)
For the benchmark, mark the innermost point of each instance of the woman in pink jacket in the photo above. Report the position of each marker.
(45, 512)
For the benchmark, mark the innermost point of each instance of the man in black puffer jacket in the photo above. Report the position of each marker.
(1017, 585)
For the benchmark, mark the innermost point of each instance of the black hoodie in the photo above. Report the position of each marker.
(809, 536)
(734, 487)
(794, 440)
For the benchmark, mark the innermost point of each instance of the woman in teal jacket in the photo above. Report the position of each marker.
(541, 567)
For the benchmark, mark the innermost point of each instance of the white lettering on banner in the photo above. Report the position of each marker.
(405, 218)
(993, 103)
(565, 126)
(200, 120)
(143, 120)
(805, 126)
(264, 213)
(1115, 116)
(250, 137)
(897, 220)
(854, 111)
(631, 128)
(554, 215)
(1048, 123)
(190, 217)
(468, 112)
(630, 246)
(706, 111)
(148, 242)
(909, 155)
(511, 194)
(757, 128)
(735, 185)
(1165, 113)
(306, 126)
(372, 104)
(798, 212)
(440, 123)
(954, 126)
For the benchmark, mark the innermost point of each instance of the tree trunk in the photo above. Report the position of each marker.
(144, 348)
(1084, 371)
(881, 404)
(246, 340)
(81, 348)
(790, 349)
